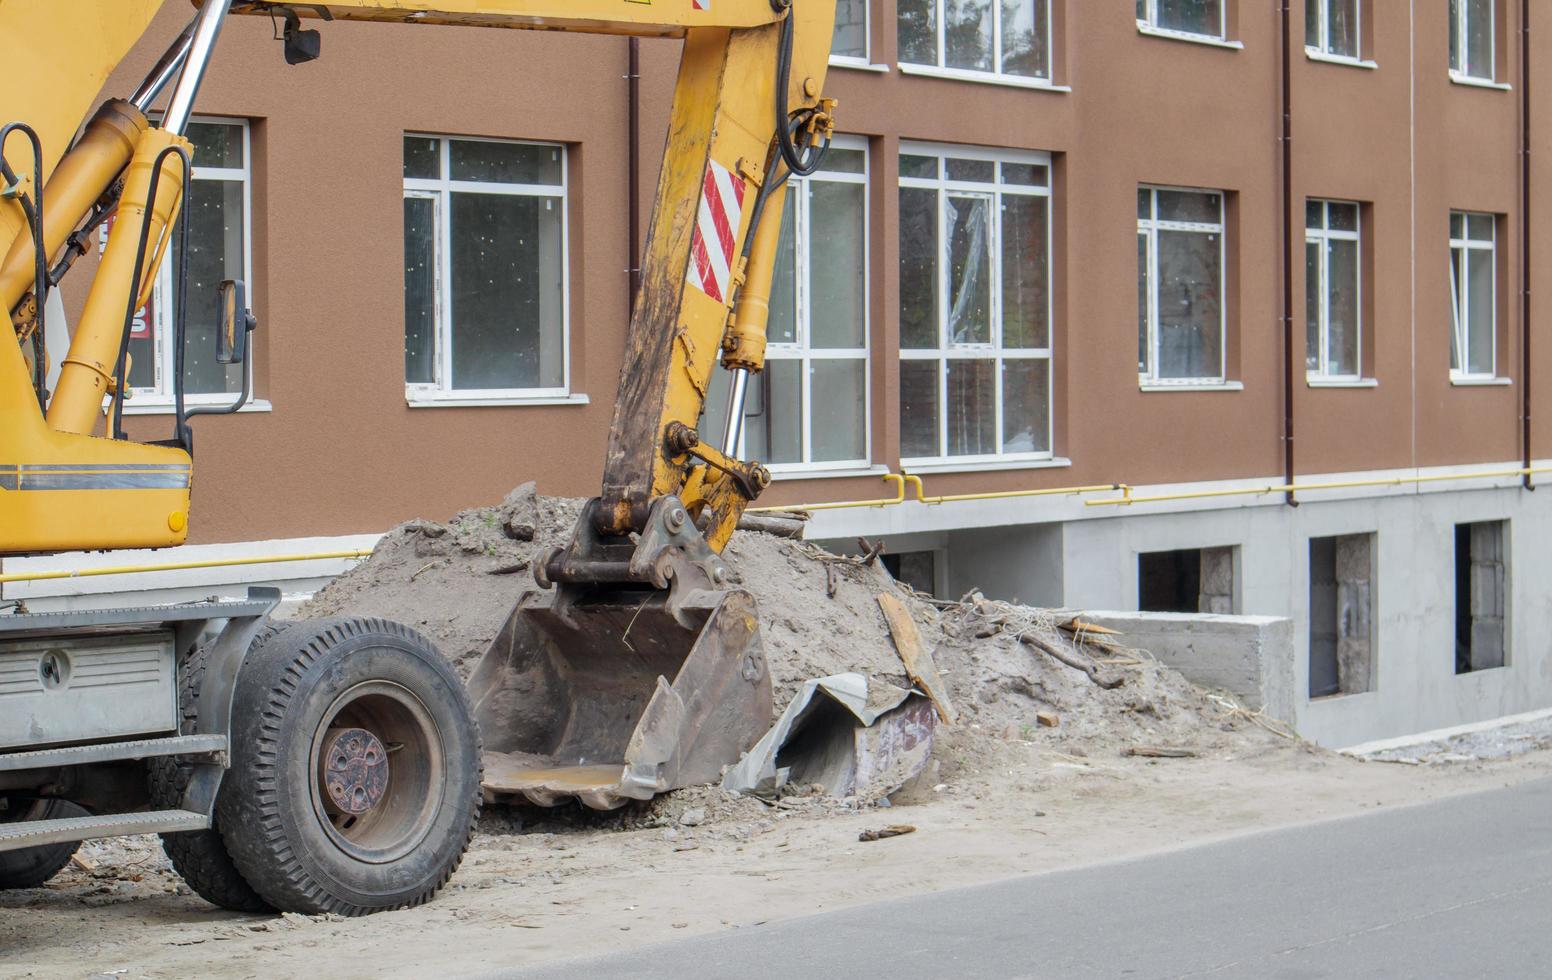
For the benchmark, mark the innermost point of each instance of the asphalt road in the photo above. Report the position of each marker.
(1457, 888)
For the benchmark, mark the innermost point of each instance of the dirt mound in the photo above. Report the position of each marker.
(819, 615)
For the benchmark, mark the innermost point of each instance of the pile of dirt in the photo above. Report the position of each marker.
(819, 615)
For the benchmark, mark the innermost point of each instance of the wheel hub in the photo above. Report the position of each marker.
(355, 769)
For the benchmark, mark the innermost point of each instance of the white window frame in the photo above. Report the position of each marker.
(1322, 46)
(1149, 24)
(1323, 237)
(440, 390)
(801, 349)
(864, 60)
(160, 398)
(1151, 227)
(941, 68)
(1460, 299)
(946, 350)
(1458, 55)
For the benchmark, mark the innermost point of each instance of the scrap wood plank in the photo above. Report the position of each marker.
(918, 662)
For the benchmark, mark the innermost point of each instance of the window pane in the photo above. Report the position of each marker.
(1025, 174)
(1144, 204)
(422, 157)
(980, 171)
(1025, 40)
(1342, 290)
(713, 420)
(972, 407)
(505, 163)
(1190, 317)
(1312, 23)
(1201, 207)
(142, 344)
(1455, 60)
(217, 144)
(420, 272)
(1143, 293)
(838, 273)
(919, 408)
(1026, 406)
(1479, 227)
(773, 433)
(1343, 217)
(967, 28)
(1026, 300)
(1457, 225)
(851, 29)
(1312, 306)
(1480, 327)
(1479, 38)
(836, 392)
(917, 166)
(1343, 38)
(841, 161)
(918, 32)
(215, 253)
(918, 268)
(507, 269)
(1315, 214)
(969, 269)
(1457, 297)
(1191, 16)
(782, 328)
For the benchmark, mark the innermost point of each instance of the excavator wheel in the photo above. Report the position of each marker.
(355, 779)
(199, 856)
(32, 866)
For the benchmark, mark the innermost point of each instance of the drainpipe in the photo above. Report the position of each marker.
(633, 156)
(1287, 271)
(1525, 267)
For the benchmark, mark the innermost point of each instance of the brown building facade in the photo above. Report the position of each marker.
(1047, 253)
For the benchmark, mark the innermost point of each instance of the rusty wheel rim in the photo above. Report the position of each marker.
(376, 766)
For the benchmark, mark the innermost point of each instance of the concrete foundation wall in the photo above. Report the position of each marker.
(1251, 657)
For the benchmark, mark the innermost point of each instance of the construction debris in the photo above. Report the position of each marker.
(1160, 752)
(1048, 719)
(893, 830)
(918, 662)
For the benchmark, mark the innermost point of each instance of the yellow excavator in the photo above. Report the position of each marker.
(340, 765)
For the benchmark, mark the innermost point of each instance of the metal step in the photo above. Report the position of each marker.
(143, 748)
(36, 832)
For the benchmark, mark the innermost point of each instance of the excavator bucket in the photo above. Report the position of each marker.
(607, 690)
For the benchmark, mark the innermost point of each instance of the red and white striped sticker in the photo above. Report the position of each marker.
(716, 227)
(701, 4)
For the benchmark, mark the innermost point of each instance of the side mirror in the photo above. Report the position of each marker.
(236, 323)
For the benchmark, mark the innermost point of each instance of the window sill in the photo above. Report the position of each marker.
(1191, 385)
(959, 466)
(1466, 381)
(818, 471)
(1471, 81)
(419, 400)
(148, 407)
(983, 78)
(1318, 382)
(1315, 54)
(1207, 39)
(858, 64)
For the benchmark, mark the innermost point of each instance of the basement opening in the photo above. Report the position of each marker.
(1481, 590)
(1187, 581)
(1341, 637)
(918, 569)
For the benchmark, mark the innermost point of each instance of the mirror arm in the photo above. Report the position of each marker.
(247, 385)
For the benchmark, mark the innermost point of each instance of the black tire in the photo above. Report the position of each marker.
(200, 856)
(32, 866)
(309, 688)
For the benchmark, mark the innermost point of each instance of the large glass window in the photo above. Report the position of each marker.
(484, 268)
(218, 249)
(1180, 319)
(994, 37)
(851, 31)
(1331, 27)
(975, 304)
(809, 407)
(1332, 290)
(1471, 38)
(1473, 295)
(1204, 18)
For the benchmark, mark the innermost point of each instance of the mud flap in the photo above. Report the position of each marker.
(609, 695)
